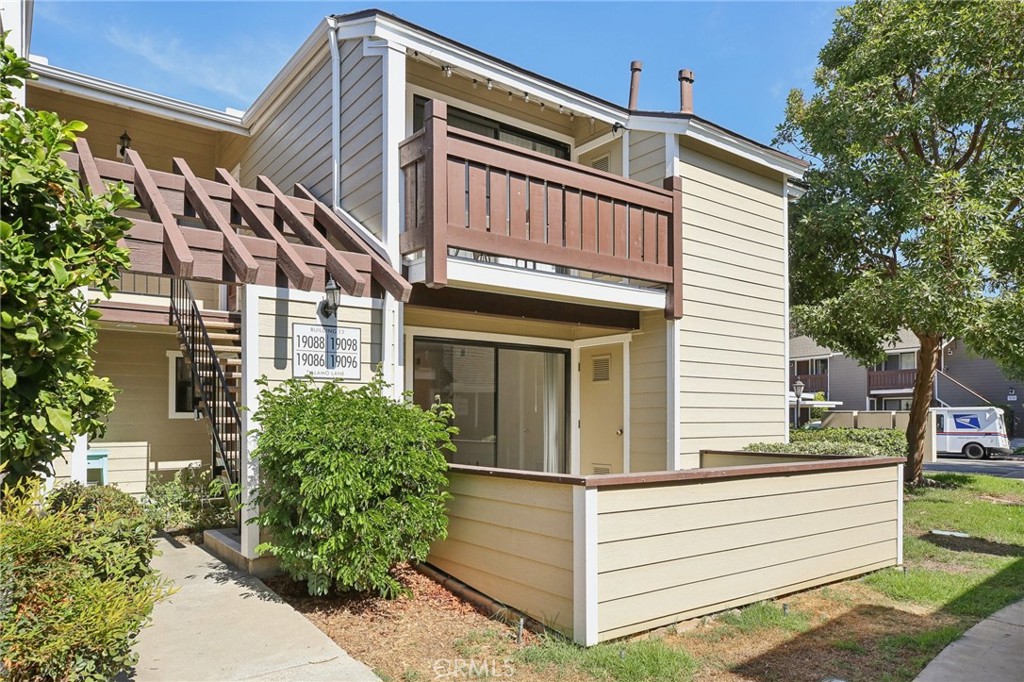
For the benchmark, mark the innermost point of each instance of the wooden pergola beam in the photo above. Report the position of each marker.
(90, 175)
(237, 256)
(346, 276)
(292, 264)
(335, 225)
(175, 247)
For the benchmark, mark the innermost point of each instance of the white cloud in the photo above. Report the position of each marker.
(239, 70)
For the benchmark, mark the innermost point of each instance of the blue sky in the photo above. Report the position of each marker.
(746, 56)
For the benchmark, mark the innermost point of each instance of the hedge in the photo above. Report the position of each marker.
(850, 442)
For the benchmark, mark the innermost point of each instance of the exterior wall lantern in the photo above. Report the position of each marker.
(332, 298)
(798, 391)
(124, 144)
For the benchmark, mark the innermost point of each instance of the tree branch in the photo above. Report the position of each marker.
(975, 139)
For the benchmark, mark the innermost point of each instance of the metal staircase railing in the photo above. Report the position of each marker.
(212, 391)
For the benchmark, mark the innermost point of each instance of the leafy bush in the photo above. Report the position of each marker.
(351, 482)
(77, 585)
(821, 447)
(888, 442)
(111, 511)
(57, 238)
(191, 501)
(852, 442)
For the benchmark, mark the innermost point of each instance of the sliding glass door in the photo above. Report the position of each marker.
(510, 401)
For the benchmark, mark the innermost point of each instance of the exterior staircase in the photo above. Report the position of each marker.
(211, 345)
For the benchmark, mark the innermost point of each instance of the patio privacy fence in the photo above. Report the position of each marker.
(602, 557)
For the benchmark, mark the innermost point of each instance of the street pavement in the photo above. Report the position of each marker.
(1008, 467)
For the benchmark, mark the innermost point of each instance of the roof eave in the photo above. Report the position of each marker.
(73, 83)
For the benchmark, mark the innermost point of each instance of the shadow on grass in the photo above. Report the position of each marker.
(977, 545)
(883, 643)
(860, 646)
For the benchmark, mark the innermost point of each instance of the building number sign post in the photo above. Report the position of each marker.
(325, 352)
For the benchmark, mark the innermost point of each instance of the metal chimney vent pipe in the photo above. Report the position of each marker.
(686, 91)
(634, 82)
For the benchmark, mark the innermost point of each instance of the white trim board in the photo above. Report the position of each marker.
(108, 92)
(548, 286)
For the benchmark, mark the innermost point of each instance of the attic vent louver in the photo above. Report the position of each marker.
(601, 368)
(601, 164)
(602, 469)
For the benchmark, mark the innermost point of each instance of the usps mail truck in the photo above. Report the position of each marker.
(977, 432)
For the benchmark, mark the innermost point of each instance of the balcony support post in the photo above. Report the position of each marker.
(674, 295)
(436, 194)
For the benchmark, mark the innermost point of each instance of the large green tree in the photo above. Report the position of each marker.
(57, 239)
(913, 215)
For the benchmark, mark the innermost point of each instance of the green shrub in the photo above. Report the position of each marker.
(886, 442)
(351, 482)
(191, 501)
(821, 447)
(850, 442)
(76, 592)
(112, 512)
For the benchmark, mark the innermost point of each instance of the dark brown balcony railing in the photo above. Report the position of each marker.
(812, 382)
(891, 378)
(469, 192)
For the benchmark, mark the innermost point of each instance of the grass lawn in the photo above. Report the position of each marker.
(883, 627)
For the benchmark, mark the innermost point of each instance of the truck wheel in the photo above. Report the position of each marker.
(974, 451)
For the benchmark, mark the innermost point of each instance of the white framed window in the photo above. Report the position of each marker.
(180, 395)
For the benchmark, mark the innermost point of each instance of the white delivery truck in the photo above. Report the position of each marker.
(977, 432)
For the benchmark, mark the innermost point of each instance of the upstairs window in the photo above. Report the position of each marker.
(481, 125)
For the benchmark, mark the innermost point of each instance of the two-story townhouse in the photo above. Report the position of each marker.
(964, 379)
(600, 292)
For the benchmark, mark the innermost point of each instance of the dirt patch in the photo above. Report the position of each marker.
(430, 635)
(1002, 499)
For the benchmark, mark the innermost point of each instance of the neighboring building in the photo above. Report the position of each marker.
(964, 379)
(596, 290)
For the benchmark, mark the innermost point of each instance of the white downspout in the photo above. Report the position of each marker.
(368, 237)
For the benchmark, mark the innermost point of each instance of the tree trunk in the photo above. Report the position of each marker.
(927, 364)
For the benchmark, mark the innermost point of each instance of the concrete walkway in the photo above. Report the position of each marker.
(223, 625)
(993, 651)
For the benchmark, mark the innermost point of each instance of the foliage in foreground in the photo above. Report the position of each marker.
(56, 239)
(78, 586)
(191, 501)
(913, 217)
(352, 482)
(850, 442)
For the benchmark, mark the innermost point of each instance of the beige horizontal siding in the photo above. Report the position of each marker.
(648, 395)
(667, 552)
(512, 540)
(276, 317)
(416, 316)
(647, 157)
(156, 139)
(140, 435)
(732, 335)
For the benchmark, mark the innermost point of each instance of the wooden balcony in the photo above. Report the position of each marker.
(812, 382)
(469, 192)
(889, 379)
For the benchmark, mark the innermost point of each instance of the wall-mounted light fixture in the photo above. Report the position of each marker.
(447, 71)
(490, 84)
(124, 143)
(332, 298)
